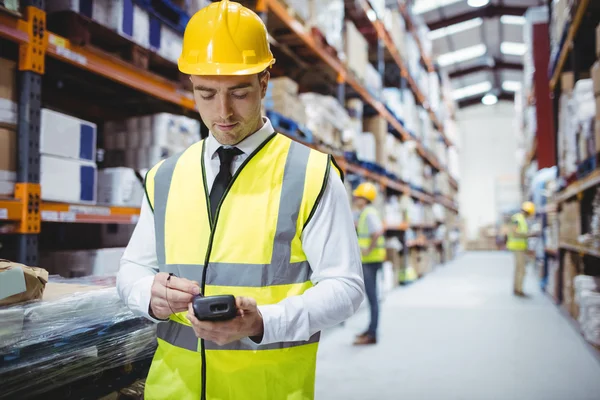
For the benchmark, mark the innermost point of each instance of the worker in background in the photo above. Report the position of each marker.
(245, 212)
(517, 242)
(372, 246)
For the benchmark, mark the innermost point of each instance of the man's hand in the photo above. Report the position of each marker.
(248, 322)
(171, 295)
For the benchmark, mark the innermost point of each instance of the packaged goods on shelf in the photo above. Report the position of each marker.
(77, 331)
(561, 15)
(142, 142)
(393, 212)
(428, 184)
(434, 97)
(123, 16)
(439, 212)
(164, 40)
(282, 97)
(394, 162)
(572, 266)
(357, 51)
(119, 187)
(8, 92)
(570, 221)
(68, 180)
(590, 316)
(366, 147)
(355, 108)
(392, 97)
(395, 25)
(378, 126)
(413, 55)
(326, 118)
(65, 136)
(553, 278)
(78, 263)
(453, 163)
(328, 17)
(299, 9)
(8, 160)
(373, 80)
(411, 112)
(379, 8)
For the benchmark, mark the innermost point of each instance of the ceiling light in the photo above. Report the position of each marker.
(513, 48)
(478, 3)
(489, 99)
(471, 90)
(511, 86)
(512, 20)
(423, 6)
(461, 55)
(456, 28)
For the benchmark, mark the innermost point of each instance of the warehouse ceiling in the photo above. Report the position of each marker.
(479, 43)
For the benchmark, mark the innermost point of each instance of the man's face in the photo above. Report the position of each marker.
(360, 203)
(230, 105)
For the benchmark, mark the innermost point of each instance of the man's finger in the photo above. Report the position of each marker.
(183, 285)
(176, 296)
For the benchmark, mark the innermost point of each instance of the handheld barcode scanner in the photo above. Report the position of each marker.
(214, 308)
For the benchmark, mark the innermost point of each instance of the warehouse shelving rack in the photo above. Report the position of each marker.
(26, 211)
(574, 55)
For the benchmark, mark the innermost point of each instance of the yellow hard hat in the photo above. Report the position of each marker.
(366, 190)
(225, 38)
(528, 207)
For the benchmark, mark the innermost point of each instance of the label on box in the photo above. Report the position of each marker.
(3, 213)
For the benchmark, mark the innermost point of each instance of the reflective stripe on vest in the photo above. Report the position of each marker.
(253, 250)
(364, 238)
(515, 243)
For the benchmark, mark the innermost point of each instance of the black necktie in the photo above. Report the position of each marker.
(223, 177)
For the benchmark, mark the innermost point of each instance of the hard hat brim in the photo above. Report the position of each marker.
(223, 69)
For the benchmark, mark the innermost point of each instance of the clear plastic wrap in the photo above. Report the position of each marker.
(48, 345)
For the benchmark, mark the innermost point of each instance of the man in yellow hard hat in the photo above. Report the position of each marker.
(518, 243)
(246, 212)
(372, 245)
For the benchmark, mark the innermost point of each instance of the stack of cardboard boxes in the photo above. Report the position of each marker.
(8, 121)
(587, 296)
(68, 171)
(572, 266)
(357, 51)
(569, 222)
(141, 142)
(282, 97)
(326, 118)
(378, 127)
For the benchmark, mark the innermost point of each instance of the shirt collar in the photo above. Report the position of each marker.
(248, 145)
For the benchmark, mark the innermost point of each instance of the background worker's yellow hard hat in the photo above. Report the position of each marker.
(528, 207)
(225, 38)
(366, 190)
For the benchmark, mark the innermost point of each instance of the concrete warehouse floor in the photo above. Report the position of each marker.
(459, 333)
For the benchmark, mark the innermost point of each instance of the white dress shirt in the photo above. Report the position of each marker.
(329, 242)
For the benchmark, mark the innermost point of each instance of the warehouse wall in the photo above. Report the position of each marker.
(487, 161)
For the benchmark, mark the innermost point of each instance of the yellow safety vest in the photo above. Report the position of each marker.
(253, 249)
(364, 237)
(515, 243)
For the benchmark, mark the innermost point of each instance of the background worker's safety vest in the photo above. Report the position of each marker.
(364, 237)
(253, 249)
(515, 243)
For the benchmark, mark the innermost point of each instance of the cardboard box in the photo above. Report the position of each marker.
(595, 72)
(567, 82)
(74, 264)
(119, 187)
(8, 154)
(357, 51)
(19, 283)
(67, 180)
(282, 85)
(597, 135)
(165, 41)
(8, 94)
(379, 127)
(598, 41)
(65, 136)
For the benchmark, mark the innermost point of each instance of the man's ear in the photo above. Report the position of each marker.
(264, 83)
